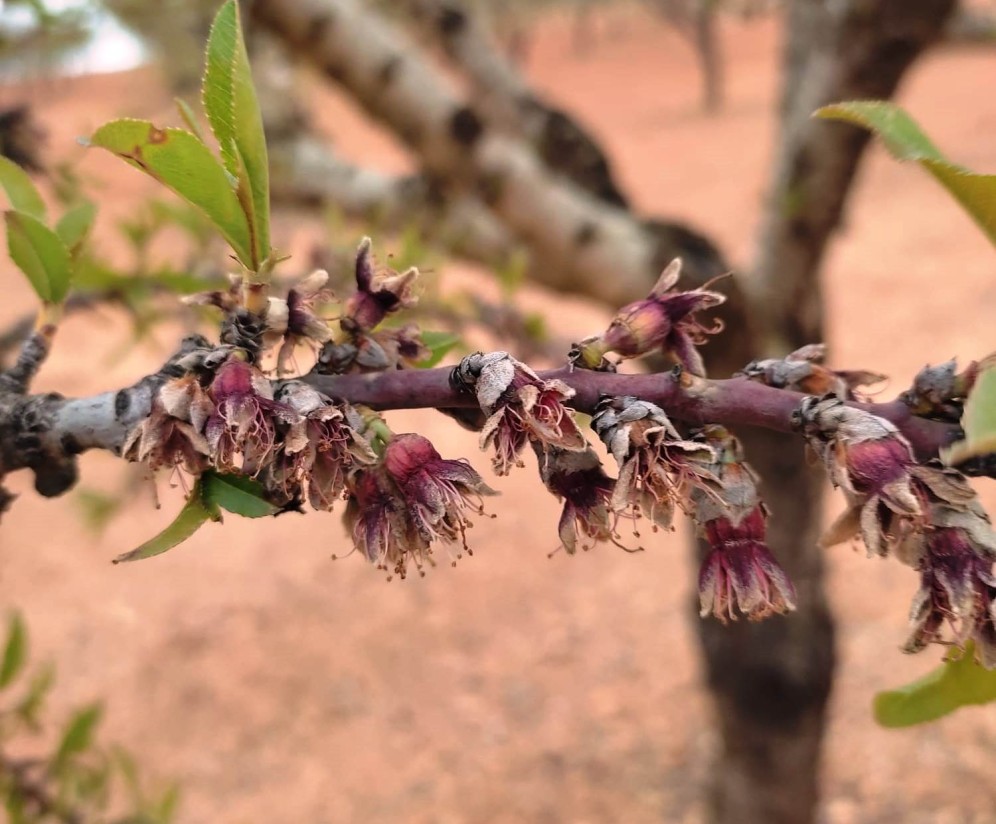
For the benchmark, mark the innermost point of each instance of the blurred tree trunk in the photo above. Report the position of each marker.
(771, 680)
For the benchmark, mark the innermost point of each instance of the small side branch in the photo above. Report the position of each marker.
(17, 379)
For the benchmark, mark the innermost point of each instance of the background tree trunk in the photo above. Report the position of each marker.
(771, 681)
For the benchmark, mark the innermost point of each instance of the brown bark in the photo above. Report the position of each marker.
(771, 681)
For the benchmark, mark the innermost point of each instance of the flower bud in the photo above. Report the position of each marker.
(664, 321)
(376, 297)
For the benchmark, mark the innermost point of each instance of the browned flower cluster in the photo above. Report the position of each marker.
(926, 516)
(403, 499)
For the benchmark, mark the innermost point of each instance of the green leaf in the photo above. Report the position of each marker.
(78, 735)
(21, 192)
(179, 161)
(904, 139)
(15, 652)
(74, 226)
(195, 513)
(29, 707)
(40, 254)
(233, 112)
(978, 420)
(189, 118)
(238, 494)
(959, 682)
(439, 344)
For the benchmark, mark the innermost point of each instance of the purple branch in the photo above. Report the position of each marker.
(737, 401)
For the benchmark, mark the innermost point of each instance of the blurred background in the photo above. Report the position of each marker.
(605, 137)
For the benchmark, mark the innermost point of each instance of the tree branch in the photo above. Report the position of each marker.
(577, 240)
(504, 98)
(837, 51)
(60, 428)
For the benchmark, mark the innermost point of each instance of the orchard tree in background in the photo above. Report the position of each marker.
(257, 439)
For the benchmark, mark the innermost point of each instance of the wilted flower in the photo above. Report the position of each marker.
(520, 406)
(657, 467)
(739, 573)
(940, 391)
(320, 449)
(172, 433)
(872, 463)
(380, 524)
(578, 480)
(664, 321)
(377, 296)
(227, 300)
(293, 321)
(803, 371)
(957, 585)
(437, 492)
(373, 351)
(412, 498)
(245, 417)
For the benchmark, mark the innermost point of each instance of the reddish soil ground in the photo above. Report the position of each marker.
(279, 686)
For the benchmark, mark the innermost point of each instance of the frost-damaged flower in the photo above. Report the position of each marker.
(377, 296)
(739, 573)
(293, 321)
(172, 434)
(373, 351)
(664, 320)
(438, 493)
(957, 585)
(382, 529)
(657, 467)
(520, 407)
(940, 391)
(578, 480)
(319, 450)
(245, 417)
(412, 498)
(872, 463)
(804, 371)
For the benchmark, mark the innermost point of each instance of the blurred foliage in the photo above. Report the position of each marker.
(960, 682)
(32, 31)
(64, 774)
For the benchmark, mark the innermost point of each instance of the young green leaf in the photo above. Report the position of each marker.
(189, 118)
(15, 652)
(978, 420)
(38, 252)
(439, 344)
(21, 192)
(233, 112)
(195, 513)
(74, 226)
(236, 493)
(905, 141)
(959, 682)
(78, 735)
(179, 161)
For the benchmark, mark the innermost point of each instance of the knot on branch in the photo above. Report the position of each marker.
(28, 423)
